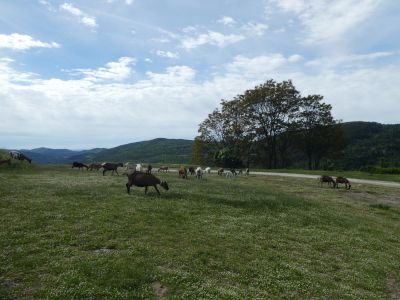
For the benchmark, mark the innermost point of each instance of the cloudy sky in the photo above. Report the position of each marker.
(102, 73)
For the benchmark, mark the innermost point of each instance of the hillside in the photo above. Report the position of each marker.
(371, 144)
(158, 150)
(57, 156)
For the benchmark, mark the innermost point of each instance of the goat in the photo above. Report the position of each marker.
(145, 180)
(139, 167)
(129, 166)
(5, 161)
(208, 170)
(163, 169)
(192, 171)
(149, 168)
(199, 173)
(328, 179)
(247, 172)
(183, 172)
(20, 156)
(220, 171)
(111, 167)
(240, 171)
(344, 181)
(95, 166)
(79, 165)
(229, 174)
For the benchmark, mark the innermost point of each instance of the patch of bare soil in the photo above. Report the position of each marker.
(375, 197)
(394, 288)
(159, 289)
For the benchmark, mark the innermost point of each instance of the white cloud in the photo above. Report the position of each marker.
(255, 28)
(226, 20)
(327, 20)
(128, 2)
(148, 60)
(18, 41)
(114, 71)
(167, 54)
(83, 17)
(349, 60)
(212, 38)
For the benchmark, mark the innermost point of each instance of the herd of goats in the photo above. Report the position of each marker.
(143, 177)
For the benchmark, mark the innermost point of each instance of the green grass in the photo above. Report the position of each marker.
(76, 234)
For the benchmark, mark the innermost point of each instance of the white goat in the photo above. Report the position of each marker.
(207, 170)
(229, 174)
(199, 173)
(139, 167)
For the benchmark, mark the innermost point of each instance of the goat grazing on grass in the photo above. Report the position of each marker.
(149, 168)
(220, 171)
(111, 167)
(5, 161)
(328, 179)
(199, 173)
(163, 169)
(207, 170)
(192, 171)
(183, 172)
(230, 174)
(20, 156)
(95, 166)
(79, 165)
(247, 172)
(145, 180)
(344, 181)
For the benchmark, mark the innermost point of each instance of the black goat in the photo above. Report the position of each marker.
(145, 180)
(111, 167)
(79, 165)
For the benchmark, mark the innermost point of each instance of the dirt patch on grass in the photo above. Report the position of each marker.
(159, 289)
(394, 288)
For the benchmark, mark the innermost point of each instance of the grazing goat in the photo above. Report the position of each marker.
(20, 156)
(183, 172)
(95, 166)
(229, 174)
(344, 181)
(149, 168)
(163, 169)
(199, 173)
(220, 171)
(79, 165)
(5, 161)
(192, 171)
(145, 180)
(129, 166)
(247, 172)
(111, 167)
(208, 170)
(240, 171)
(328, 179)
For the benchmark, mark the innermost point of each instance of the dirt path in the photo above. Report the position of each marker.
(354, 180)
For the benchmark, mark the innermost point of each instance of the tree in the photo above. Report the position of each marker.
(270, 108)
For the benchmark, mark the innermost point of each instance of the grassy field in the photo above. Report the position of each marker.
(76, 234)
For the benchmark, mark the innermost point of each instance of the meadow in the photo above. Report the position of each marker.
(77, 234)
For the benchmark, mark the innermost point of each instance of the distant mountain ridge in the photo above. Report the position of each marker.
(160, 150)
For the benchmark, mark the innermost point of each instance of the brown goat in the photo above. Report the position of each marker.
(344, 181)
(95, 166)
(183, 172)
(220, 171)
(328, 179)
(5, 161)
(142, 179)
(163, 169)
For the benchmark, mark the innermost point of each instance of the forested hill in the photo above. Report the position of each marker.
(371, 144)
(154, 151)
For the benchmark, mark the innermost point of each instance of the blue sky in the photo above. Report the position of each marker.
(102, 73)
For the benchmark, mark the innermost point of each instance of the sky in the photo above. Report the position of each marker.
(102, 73)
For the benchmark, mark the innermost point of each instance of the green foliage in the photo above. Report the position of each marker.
(379, 170)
